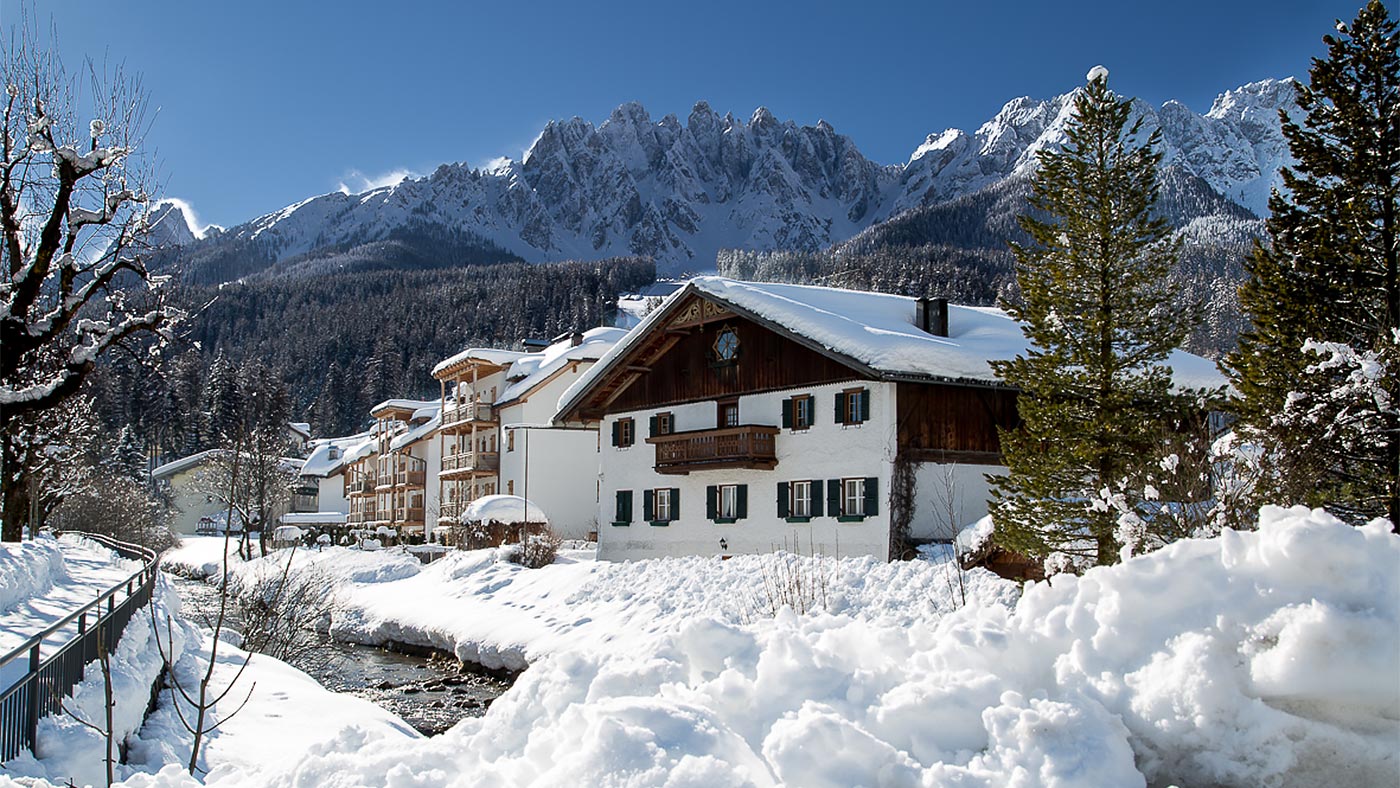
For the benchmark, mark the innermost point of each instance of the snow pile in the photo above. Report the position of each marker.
(28, 569)
(1251, 659)
(503, 509)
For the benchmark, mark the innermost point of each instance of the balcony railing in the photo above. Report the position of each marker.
(466, 413)
(410, 478)
(408, 514)
(743, 446)
(471, 462)
(451, 511)
(361, 486)
(360, 518)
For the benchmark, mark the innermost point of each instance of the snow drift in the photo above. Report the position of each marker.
(1261, 658)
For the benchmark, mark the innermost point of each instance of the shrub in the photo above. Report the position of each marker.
(539, 549)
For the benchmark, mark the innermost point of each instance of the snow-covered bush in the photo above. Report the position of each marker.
(802, 584)
(539, 549)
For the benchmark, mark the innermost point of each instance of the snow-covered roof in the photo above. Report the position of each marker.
(533, 369)
(183, 464)
(421, 430)
(410, 405)
(492, 356)
(320, 462)
(503, 509)
(875, 331)
(313, 518)
(301, 428)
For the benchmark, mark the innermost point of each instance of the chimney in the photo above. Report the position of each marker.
(931, 315)
(576, 339)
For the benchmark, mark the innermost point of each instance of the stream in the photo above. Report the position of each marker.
(430, 691)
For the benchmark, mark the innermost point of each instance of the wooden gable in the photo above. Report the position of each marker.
(950, 423)
(677, 362)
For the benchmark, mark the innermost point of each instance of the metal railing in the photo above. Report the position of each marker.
(41, 690)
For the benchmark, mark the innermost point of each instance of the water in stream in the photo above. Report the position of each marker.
(431, 693)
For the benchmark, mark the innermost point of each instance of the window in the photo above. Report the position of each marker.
(661, 506)
(510, 487)
(853, 496)
(623, 515)
(728, 414)
(853, 406)
(333, 453)
(853, 499)
(727, 503)
(797, 412)
(662, 424)
(801, 500)
(726, 347)
(624, 433)
(510, 440)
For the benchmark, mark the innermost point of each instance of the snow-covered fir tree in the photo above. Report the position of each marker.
(1318, 371)
(1096, 395)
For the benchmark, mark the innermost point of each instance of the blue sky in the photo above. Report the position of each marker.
(262, 104)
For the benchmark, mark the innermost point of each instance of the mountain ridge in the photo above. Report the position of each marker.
(680, 192)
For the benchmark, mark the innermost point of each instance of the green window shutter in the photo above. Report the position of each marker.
(811, 410)
(833, 497)
(787, 414)
(816, 493)
(865, 404)
(617, 432)
(712, 502)
(624, 507)
(743, 502)
(872, 496)
(651, 427)
(648, 505)
(675, 503)
(840, 407)
(784, 507)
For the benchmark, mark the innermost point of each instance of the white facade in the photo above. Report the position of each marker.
(562, 477)
(825, 451)
(191, 501)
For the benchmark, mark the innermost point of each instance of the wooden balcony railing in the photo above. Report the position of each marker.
(408, 514)
(466, 413)
(361, 486)
(471, 462)
(451, 511)
(743, 446)
(360, 518)
(410, 478)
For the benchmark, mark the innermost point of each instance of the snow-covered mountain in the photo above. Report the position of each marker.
(171, 224)
(680, 191)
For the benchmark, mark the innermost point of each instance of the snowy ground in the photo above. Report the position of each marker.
(44, 580)
(1261, 658)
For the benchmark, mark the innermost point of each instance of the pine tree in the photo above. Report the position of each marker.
(1095, 393)
(1318, 371)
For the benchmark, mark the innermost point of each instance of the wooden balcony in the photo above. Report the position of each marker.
(361, 518)
(408, 515)
(459, 418)
(450, 511)
(744, 446)
(411, 478)
(472, 463)
(362, 486)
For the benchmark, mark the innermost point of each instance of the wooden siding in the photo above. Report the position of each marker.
(953, 423)
(685, 370)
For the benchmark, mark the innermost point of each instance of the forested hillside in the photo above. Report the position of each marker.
(342, 343)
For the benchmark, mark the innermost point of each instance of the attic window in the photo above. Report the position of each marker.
(333, 453)
(726, 347)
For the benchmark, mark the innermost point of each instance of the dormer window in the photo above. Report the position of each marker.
(333, 453)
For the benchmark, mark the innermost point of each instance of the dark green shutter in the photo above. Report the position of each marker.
(742, 509)
(815, 492)
(651, 427)
(617, 432)
(865, 404)
(784, 506)
(872, 496)
(675, 503)
(811, 410)
(787, 414)
(712, 502)
(624, 506)
(648, 505)
(840, 407)
(833, 497)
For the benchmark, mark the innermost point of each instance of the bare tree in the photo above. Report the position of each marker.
(73, 210)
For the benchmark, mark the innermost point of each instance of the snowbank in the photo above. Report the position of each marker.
(1264, 658)
(503, 509)
(28, 569)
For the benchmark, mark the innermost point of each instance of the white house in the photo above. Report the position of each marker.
(321, 484)
(741, 417)
(497, 436)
